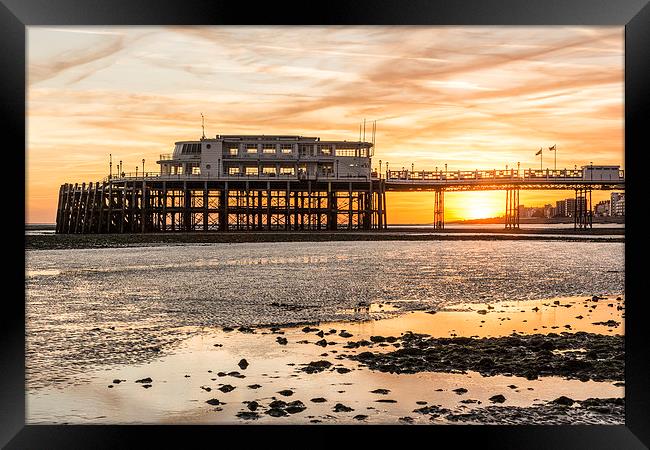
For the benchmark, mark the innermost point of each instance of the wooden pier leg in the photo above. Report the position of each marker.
(59, 210)
(225, 208)
(380, 207)
(287, 218)
(111, 219)
(65, 220)
(350, 201)
(164, 206)
(383, 194)
(93, 210)
(205, 206)
(268, 205)
(124, 189)
(309, 200)
(77, 195)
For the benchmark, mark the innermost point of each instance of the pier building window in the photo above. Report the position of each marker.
(305, 149)
(232, 149)
(346, 152)
(196, 170)
(325, 150)
(287, 171)
(268, 148)
(286, 149)
(251, 148)
(191, 149)
(270, 171)
(252, 171)
(233, 170)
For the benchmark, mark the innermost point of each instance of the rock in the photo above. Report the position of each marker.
(609, 323)
(214, 402)
(227, 329)
(116, 381)
(316, 366)
(187, 376)
(564, 401)
(380, 391)
(421, 402)
(144, 380)
(146, 386)
(322, 343)
(342, 370)
(481, 311)
(248, 415)
(308, 329)
(320, 334)
(218, 345)
(281, 340)
(497, 398)
(512, 386)
(206, 388)
(386, 400)
(377, 339)
(243, 364)
(279, 404)
(254, 386)
(276, 412)
(286, 392)
(295, 407)
(340, 407)
(360, 417)
(226, 388)
(318, 400)
(345, 334)
(236, 374)
(244, 329)
(110, 386)
(460, 391)
(406, 419)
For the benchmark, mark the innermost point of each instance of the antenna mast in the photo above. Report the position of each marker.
(202, 127)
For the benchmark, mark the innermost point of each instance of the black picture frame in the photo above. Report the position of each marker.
(15, 15)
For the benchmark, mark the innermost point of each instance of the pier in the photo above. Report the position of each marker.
(261, 182)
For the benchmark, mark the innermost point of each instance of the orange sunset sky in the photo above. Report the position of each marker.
(469, 97)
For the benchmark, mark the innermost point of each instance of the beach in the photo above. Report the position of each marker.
(327, 332)
(320, 374)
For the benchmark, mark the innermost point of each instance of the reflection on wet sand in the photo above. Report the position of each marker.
(203, 380)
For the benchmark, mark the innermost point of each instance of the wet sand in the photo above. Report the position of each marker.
(66, 241)
(312, 374)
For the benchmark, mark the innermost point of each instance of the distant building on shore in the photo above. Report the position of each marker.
(568, 207)
(617, 204)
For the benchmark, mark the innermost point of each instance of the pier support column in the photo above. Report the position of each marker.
(582, 214)
(439, 210)
(512, 208)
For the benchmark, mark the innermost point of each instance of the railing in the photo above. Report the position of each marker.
(153, 176)
(502, 175)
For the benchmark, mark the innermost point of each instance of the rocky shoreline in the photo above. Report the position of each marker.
(582, 356)
(78, 241)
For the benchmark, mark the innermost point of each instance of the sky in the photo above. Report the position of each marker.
(469, 97)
